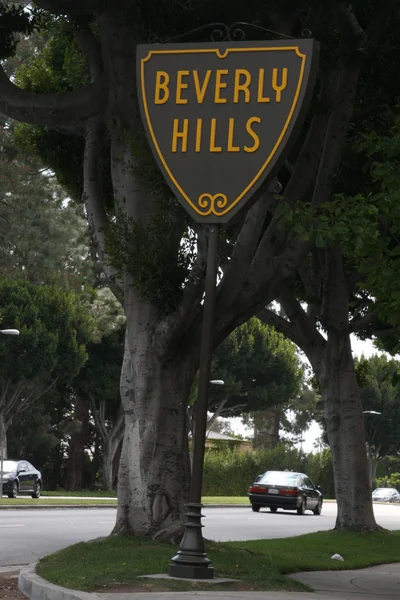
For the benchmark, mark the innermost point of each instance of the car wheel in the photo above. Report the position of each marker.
(37, 489)
(302, 508)
(255, 507)
(273, 509)
(318, 509)
(14, 491)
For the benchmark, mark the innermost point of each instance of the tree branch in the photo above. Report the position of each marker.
(66, 111)
(215, 416)
(298, 316)
(244, 249)
(336, 134)
(174, 326)
(349, 25)
(98, 421)
(282, 325)
(93, 196)
(306, 166)
(90, 47)
(359, 324)
(118, 428)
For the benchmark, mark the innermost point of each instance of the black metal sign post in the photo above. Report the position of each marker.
(191, 560)
(219, 117)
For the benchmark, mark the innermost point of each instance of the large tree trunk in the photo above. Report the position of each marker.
(3, 436)
(110, 447)
(110, 439)
(344, 419)
(372, 467)
(154, 472)
(266, 429)
(346, 435)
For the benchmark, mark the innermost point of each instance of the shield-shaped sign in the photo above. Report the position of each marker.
(219, 116)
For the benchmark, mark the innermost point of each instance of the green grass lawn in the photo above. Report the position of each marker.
(82, 493)
(113, 494)
(226, 500)
(261, 564)
(46, 498)
(27, 500)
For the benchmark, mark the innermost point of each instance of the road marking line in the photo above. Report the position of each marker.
(106, 522)
(2, 526)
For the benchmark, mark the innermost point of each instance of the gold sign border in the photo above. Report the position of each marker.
(222, 55)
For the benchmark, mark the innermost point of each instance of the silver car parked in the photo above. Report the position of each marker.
(385, 495)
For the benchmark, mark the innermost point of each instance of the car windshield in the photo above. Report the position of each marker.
(279, 478)
(384, 492)
(9, 465)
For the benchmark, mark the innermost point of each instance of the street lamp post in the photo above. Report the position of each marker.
(4, 332)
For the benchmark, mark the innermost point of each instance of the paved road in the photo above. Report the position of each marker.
(27, 535)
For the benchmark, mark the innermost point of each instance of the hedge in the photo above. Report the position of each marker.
(229, 472)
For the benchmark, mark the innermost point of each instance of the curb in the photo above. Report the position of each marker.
(67, 506)
(37, 588)
(11, 568)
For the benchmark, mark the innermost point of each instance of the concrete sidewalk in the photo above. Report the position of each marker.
(374, 583)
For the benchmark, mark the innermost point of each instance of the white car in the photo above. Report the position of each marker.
(385, 495)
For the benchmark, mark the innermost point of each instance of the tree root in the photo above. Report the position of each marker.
(172, 534)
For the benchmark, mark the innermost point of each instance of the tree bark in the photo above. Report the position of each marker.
(110, 447)
(3, 436)
(154, 472)
(75, 469)
(346, 435)
(110, 438)
(266, 429)
(373, 461)
(333, 365)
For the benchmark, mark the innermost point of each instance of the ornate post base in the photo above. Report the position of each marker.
(191, 561)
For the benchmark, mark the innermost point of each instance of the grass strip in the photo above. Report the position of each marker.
(54, 501)
(262, 564)
(81, 493)
(226, 500)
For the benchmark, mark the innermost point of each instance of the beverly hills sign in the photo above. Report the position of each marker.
(219, 116)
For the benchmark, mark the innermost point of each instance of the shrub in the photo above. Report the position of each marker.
(393, 481)
(229, 473)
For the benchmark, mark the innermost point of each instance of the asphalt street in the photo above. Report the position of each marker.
(27, 535)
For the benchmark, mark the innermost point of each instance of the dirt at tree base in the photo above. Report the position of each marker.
(9, 586)
(188, 586)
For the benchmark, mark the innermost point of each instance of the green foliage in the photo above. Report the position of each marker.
(159, 274)
(260, 368)
(230, 473)
(13, 19)
(43, 236)
(387, 466)
(54, 329)
(381, 393)
(64, 154)
(58, 67)
(393, 481)
(101, 374)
